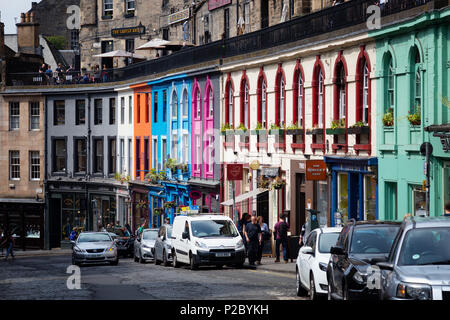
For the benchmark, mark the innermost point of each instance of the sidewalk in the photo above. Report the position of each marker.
(270, 265)
(36, 253)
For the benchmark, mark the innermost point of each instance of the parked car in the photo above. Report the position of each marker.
(94, 247)
(144, 245)
(163, 246)
(360, 245)
(210, 239)
(312, 262)
(124, 242)
(418, 267)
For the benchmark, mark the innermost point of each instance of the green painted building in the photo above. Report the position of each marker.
(413, 89)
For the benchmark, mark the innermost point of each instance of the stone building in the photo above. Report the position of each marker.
(58, 18)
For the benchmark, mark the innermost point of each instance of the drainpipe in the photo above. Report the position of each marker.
(88, 160)
(46, 192)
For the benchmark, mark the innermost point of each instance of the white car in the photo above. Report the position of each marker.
(312, 262)
(210, 239)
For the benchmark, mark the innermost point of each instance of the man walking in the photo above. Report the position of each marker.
(9, 240)
(280, 229)
(254, 239)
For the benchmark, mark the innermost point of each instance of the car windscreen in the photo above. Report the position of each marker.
(150, 235)
(426, 246)
(94, 237)
(213, 228)
(373, 240)
(326, 241)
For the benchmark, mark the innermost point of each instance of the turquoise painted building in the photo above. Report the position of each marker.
(412, 81)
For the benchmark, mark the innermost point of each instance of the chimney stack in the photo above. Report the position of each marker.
(2, 40)
(28, 34)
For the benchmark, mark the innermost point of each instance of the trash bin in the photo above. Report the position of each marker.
(293, 247)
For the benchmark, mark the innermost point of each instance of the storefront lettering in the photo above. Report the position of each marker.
(179, 16)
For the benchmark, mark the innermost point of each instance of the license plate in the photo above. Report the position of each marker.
(95, 256)
(223, 254)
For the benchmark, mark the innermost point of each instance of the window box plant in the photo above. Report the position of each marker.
(170, 204)
(337, 127)
(278, 183)
(359, 128)
(276, 130)
(388, 118)
(259, 130)
(141, 205)
(158, 211)
(241, 130)
(294, 129)
(414, 119)
(121, 177)
(226, 130)
(314, 130)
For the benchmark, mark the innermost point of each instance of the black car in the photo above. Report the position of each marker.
(124, 243)
(360, 245)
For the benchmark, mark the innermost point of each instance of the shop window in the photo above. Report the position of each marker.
(321, 196)
(343, 196)
(80, 112)
(59, 112)
(73, 214)
(370, 198)
(418, 201)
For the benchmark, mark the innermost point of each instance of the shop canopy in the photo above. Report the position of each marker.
(119, 53)
(244, 196)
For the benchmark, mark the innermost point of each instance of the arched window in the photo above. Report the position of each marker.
(245, 100)
(417, 87)
(229, 103)
(365, 93)
(390, 93)
(298, 105)
(197, 104)
(282, 102)
(340, 91)
(263, 103)
(210, 103)
(280, 96)
(174, 105)
(319, 107)
(185, 102)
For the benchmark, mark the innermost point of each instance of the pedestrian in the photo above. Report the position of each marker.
(109, 228)
(280, 230)
(118, 224)
(9, 241)
(265, 236)
(141, 228)
(254, 239)
(167, 220)
(242, 223)
(1, 240)
(73, 235)
(447, 210)
(128, 228)
(101, 228)
(125, 232)
(301, 241)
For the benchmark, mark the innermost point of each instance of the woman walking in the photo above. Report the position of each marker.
(265, 236)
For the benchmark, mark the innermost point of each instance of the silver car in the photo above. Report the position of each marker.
(418, 267)
(93, 248)
(144, 245)
(163, 245)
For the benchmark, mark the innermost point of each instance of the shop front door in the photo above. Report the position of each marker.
(353, 196)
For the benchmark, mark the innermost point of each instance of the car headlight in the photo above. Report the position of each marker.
(78, 250)
(360, 278)
(201, 245)
(414, 291)
(110, 249)
(239, 244)
(323, 266)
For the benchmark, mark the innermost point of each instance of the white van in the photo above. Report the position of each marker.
(206, 239)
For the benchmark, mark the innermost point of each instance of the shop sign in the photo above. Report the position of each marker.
(316, 170)
(130, 31)
(254, 165)
(214, 4)
(179, 16)
(235, 171)
(271, 172)
(184, 209)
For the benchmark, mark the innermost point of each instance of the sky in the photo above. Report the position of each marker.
(13, 8)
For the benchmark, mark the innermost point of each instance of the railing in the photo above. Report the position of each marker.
(327, 20)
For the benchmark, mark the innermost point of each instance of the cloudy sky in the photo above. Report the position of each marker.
(12, 8)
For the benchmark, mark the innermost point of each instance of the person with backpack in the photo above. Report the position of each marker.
(280, 232)
(9, 241)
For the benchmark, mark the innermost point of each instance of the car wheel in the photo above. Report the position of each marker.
(116, 262)
(239, 265)
(312, 288)
(155, 259)
(300, 290)
(165, 262)
(345, 292)
(135, 257)
(219, 266)
(140, 257)
(329, 296)
(192, 263)
(175, 262)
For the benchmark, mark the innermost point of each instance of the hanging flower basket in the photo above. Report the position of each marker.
(170, 204)
(158, 211)
(278, 183)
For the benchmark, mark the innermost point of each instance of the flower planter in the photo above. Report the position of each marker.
(239, 132)
(336, 131)
(315, 131)
(294, 132)
(277, 132)
(358, 130)
(415, 123)
(227, 133)
(259, 132)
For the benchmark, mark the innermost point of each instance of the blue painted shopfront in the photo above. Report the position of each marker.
(354, 188)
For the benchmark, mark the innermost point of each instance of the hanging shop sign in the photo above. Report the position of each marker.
(195, 195)
(235, 171)
(271, 172)
(214, 4)
(129, 31)
(179, 16)
(316, 170)
(254, 165)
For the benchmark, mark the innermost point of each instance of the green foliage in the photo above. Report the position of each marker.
(273, 126)
(59, 42)
(259, 126)
(388, 118)
(225, 126)
(338, 124)
(415, 118)
(358, 124)
(294, 126)
(242, 127)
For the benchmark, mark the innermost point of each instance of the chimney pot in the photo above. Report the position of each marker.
(32, 16)
(22, 17)
(27, 17)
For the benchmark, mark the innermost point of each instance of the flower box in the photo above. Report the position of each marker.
(240, 132)
(314, 131)
(294, 132)
(228, 132)
(259, 132)
(358, 130)
(277, 132)
(336, 131)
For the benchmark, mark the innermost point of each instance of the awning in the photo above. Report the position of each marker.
(244, 196)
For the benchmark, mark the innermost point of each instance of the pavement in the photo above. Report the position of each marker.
(269, 264)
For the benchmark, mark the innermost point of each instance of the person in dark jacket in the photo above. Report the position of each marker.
(254, 239)
(280, 230)
(9, 241)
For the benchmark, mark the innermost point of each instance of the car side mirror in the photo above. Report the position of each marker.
(337, 251)
(185, 235)
(385, 266)
(306, 250)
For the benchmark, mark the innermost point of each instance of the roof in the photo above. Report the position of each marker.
(376, 223)
(330, 229)
(428, 222)
(204, 216)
